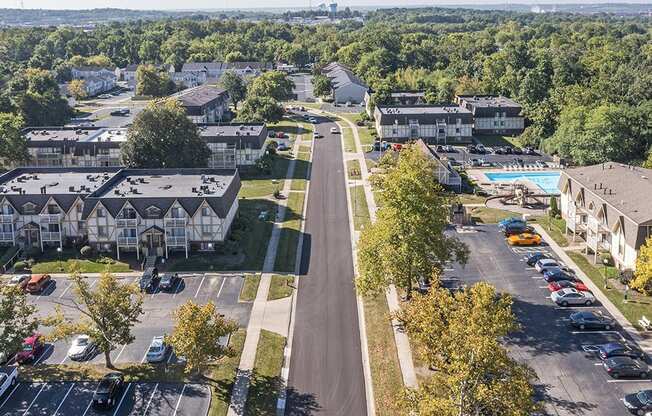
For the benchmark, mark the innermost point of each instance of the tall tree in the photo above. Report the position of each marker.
(235, 86)
(17, 319)
(196, 334)
(13, 144)
(407, 240)
(77, 88)
(151, 82)
(272, 84)
(163, 136)
(321, 85)
(257, 109)
(107, 311)
(643, 275)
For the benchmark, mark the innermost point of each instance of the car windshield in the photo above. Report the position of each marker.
(154, 348)
(645, 396)
(27, 347)
(82, 341)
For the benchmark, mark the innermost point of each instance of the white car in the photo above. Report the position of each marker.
(157, 350)
(334, 130)
(8, 378)
(312, 120)
(82, 348)
(317, 135)
(571, 296)
(20, 280)
(544, 265)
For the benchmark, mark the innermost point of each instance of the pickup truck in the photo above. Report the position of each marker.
(8, 379)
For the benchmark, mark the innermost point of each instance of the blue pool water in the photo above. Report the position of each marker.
(547, 181)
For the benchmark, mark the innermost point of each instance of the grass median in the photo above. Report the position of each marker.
(353, 169)
(281, 286)
(360, 207)
(486, 215)
(555, 227)
(265, 384)
(290, 233)
(250, 287)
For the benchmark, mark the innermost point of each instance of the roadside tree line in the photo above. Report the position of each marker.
(459, 334)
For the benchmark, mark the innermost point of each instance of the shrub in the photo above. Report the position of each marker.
(605, 255)
(105, 260)
(86, 251)
(21, 266)
(11, 252)
(554, 208)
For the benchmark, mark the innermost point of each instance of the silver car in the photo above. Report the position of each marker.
(157, 350)
(571, 296)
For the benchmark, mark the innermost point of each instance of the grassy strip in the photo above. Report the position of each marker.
(84, 266)
(498, 141)
(360, 207)
(93, 372)
(298, 185)
(290, 233)
(281, 286)
(266, 380)
(349, 143)
(491, 215)
(364, 133)
(222, 376)
(555, 227)
(383, 357)
(304, 148)
(250, 287)
(471, 199)
(637, 304)
(263, 186)
(353, 169)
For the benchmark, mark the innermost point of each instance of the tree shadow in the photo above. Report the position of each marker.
(573, 407)
(300, 404)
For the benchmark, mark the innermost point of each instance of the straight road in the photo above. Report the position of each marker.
(326, 374)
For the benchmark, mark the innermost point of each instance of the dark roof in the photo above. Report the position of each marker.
(487, 105)
(344, 76)
(424, 113)
(202, 66)
(91, 68)
(253, 134)
(201, 96)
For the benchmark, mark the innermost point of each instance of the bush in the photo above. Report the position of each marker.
(86, 251)
(105, 260)
(21, 266)
(554, 208)
(8, 255)
(605, 255)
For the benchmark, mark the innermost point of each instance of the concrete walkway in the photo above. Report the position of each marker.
(644, 341)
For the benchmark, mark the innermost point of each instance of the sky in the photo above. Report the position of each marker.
(234, 4)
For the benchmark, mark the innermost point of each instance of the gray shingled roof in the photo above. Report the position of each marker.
(200, 96)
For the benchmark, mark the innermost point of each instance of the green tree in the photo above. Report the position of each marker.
(272, 84)
(643, 274)
(196, 334)
(407, 240)
(17, 319)
(163, 136)
(257, 109)
(107, 311)
(648, 162)
(459, 335)
(77, 88)
(13, 144)
(151, 82)
(321, 85)
(235, 86)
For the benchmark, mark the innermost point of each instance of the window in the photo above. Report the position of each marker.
(101, 231)
(79, 208)
(457, 130)
(81, 225)
(100, 213)
(621, 244)
(206, 229)
(176, 212)
(205, 212)
(153, 211)
(29, 208)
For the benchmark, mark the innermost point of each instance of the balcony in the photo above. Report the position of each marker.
(48, 155)
(5, 237)
(8, 218)
(50, 218)
(50, 236)
(176, 240)
(126, 222)
(175, 222)
(127, 241)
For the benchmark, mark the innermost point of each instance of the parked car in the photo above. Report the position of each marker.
(510, 221)
(38, 282)
(556, 275)
(474, 163)
(639, 403)
(471, 148)
(8, 379)
(317, 135)
(517, 151)
(334, 130)
(619, 349)
(507, 150)
(282, 147)
(120, 112)
(313, 120)
(535, 257)
(104, 96)
(569, 296)
(529, 151)
(107, 392)
(499, 151)
(525, 239)
(518, 228)
(20, 281)
(157, 350)
(625, 367)
(449, 149)
(149, 279)
(82, 348)
(563, 284)
(480, 149)
(542, 265)
(33, 346)
(424, 285)
(169, 281)
(591, 320)
(271, 134)
(440, 149)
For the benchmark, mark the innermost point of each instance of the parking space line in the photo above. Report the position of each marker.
(34, 400)
(45, 289)
(221, 286)
(150, 399)
(9, 395)
(543, 287)
(88, 407)
(199, 287)
(43, 354)
(640, 380)
(176, 289)
(176, 408)
(64, 399)
(115, 412)
(120, 353)
(65, 291)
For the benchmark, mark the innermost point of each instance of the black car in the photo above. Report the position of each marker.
(518, 228)
(619, 349)
(424, 286)
(106, 393)
(517, 151)
(625, 367)
(507, 150)
(533, 258)
(471, 148)
(591, 320)
(639, 403)
(440, 149)
(149, 279)
(168, 281)
(558, 275)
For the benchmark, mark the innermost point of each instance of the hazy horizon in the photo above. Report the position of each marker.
(171, 5)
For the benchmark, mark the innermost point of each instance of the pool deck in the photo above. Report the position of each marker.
(494, 187)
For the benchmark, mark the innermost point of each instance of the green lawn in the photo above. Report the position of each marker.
(265, 382)
(555, 227)
(83, 266)
(364, 133)
(289, 127)
(383, 358)
(498, 140)
(491, 215)
(305, 148)
(471, 199)
(353, 169)
(360, 207)
(222, 376)
(637, 305)
(281, 286)
(250, 287)
(290, 233)
(298, 184)
(262, 186)
(349, 142)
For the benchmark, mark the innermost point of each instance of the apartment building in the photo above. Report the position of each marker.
(346, 86)
(444, 172)
(406, 97)
(434, 123)
(608, 207)
(193, 74)
(158, 211)
(231, 145)
(493, 114)
(205, 104)
(42, 207)
(97, 80)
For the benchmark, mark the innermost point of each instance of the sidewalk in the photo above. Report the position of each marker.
(645, 342)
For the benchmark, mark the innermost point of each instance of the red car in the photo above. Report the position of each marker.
(32, 347)
(563, 284)
(397, 147)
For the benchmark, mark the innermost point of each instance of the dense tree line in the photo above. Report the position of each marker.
(573, 74)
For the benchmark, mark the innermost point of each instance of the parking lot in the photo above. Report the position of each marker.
(462, 155)
(572, 380)
(139, 398)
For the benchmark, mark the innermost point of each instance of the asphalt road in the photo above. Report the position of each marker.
(326, 375)
(571, 378)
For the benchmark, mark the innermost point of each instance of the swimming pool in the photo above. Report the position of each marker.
(547, 181)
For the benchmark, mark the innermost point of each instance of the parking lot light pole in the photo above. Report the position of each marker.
(60, 264)
(606, 281)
